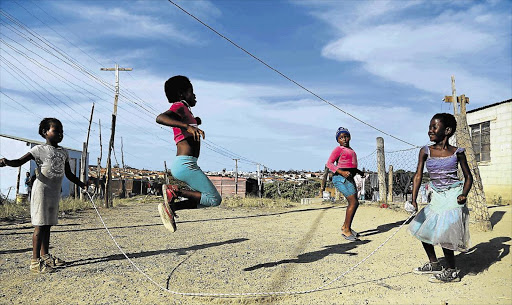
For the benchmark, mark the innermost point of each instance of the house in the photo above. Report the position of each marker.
(491, 135)
(12, 147)
(227, 188)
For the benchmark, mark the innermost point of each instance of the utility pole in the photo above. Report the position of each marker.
(122, 154)
(108, 188)
(476, 197)
(98, 170)
(236, 176)
(83, 160)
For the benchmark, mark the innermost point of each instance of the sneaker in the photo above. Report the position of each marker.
(429, 268)
(167, 216)
(53, 261)
(169, 192)
(39, 266)
(447, 276)
(165, 209)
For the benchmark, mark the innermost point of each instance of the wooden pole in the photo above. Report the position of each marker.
(165, 173)
(390, 184)
(98, 171)
(108, 195)
(83, 159)
(236, 176)
(18, 183)
(381, 169)
(324, 181)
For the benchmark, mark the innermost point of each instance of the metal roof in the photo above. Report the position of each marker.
(33, 141)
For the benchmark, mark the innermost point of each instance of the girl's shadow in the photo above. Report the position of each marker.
(480, 257)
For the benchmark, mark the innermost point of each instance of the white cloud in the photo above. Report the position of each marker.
(396, 44)
(121, 22)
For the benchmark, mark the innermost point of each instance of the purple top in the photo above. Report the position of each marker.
(443, 170)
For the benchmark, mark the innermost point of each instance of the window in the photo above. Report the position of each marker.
(481, 138)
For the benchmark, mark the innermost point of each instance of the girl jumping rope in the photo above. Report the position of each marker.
(52, 164)
(187, 135)
(343, 178)
(444, 221)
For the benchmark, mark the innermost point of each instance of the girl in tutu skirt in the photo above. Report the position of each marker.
(444, 221)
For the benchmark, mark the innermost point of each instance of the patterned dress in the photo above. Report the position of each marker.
(46, 191)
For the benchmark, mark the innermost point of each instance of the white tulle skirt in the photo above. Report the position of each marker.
(443, 222)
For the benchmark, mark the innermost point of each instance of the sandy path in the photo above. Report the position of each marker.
(223, 250)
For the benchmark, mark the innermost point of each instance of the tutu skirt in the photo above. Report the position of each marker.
(443, 222)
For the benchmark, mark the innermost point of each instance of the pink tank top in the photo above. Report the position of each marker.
(184, 112)
(344, 157)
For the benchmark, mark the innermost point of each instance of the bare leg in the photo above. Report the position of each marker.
(353, 203)
(45, 244)
(37, 239)
(431, 253)
(450, 258)
(193, 199)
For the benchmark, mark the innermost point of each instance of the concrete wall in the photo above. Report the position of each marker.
(497, 173)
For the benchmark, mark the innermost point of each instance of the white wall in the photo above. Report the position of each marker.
(496, 174)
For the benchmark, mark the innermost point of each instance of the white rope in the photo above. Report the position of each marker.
(246, 294)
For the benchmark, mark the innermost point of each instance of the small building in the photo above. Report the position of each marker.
(491, 135)
(227, 187)
(12, 147)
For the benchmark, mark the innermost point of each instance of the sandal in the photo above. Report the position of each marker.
(351, 237)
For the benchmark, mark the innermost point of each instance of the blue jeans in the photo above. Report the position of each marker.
(185, 168)
(346, 186)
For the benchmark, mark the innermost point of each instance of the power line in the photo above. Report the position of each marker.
(286, 77)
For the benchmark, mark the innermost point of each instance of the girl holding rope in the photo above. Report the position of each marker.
(343, 178)
(52, 164)
(187, 135)
(444, 221)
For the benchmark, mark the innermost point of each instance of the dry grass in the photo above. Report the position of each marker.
(250, 202)
(13, 210)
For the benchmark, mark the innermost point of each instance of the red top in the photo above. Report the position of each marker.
(183, 111)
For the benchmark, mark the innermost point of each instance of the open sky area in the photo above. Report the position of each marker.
(365, 65)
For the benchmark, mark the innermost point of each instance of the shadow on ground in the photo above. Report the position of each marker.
(313, 256)
(382, 228)
(480, 257)
(179, 251)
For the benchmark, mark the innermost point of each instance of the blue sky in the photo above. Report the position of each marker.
(388, 63)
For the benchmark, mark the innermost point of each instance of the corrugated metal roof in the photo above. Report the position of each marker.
(32, 141)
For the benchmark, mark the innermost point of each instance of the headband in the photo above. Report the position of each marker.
(340, 131)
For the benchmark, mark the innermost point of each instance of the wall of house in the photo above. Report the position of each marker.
(496, 174)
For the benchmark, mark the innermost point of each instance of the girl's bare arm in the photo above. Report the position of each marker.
(468, 178)
(416, 180)
(16, 162)
(71, 177)
(169, 118)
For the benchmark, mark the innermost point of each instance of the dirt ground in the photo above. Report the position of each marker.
(240, 250)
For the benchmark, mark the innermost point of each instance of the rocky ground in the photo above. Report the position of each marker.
(240, 250)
